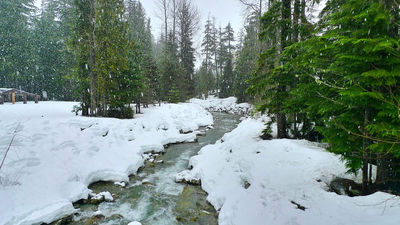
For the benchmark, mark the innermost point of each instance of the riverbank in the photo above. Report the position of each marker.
(152, 196)
(258, 182)
(56, 155)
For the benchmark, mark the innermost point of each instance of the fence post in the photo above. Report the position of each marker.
(13, 97)
(25, 98)
(36, 98)
(1, 100)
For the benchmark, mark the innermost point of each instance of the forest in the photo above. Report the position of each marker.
(323, 71)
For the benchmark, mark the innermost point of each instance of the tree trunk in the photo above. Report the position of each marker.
(365, 155)
(296, 17)
(165, 20)
(174, 21)
(93, 103)
(285, 38)
(281, 124)
(303, 18)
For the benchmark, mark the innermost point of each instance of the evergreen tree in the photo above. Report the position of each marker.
(16, 58)
(188, 21)
(344, 83)
(118, 80)
(227, 50)
(171, 72)
(81, 46)
(51, 57)
(140, 33)
(270, 83)
(247, 60)
(208, 45)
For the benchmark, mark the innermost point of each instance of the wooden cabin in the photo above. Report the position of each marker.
(11, 94)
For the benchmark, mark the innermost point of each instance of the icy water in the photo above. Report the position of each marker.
(152, 196)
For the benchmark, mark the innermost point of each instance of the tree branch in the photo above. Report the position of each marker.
(9, 146)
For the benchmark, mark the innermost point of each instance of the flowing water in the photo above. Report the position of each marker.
(152, 196)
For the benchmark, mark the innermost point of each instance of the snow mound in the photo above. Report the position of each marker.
(258, 182)
(227, 105)
(56, 155)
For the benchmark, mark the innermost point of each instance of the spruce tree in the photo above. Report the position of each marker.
(16, 58)
(348, 78)
(227, 51)
(188, 21)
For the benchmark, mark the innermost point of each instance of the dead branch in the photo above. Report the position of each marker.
(9, 146)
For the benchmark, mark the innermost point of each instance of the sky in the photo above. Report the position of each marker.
(224, 11)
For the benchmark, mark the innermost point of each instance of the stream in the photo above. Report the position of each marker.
(152, 196)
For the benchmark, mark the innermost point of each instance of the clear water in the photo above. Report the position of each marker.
(160, 201)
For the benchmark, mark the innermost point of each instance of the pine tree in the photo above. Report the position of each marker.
(208, 45)
(16, 61)
(140, 33)
(270, 83)
(247, 60)
(188, 21)
(348, 78)
(81, 46)
(51, 57)
(227, 50)
(117, 82)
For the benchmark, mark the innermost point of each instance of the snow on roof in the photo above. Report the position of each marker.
(3, 90)
(17, 91)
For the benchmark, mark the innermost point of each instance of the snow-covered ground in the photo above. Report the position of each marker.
(227, 105)
(258, 182)
(55, 155)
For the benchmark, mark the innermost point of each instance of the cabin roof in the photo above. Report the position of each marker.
(4, 91)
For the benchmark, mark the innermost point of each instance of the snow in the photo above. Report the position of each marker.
(134, 223)
(121, 184)
(252, 181)
(227, 105)
(102, 195)
(56, 155)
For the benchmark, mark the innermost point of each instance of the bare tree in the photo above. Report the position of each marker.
(163, 6)
(254, 6)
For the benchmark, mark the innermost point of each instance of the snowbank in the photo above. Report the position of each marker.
(227, 105)
(258, 182)
(56, 155)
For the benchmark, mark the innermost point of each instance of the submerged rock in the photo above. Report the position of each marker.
(193, 208)
(186, 177)
(64, 221)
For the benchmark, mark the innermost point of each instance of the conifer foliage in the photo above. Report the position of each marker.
(340, 83)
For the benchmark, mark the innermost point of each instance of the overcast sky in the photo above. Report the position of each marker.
(224, 11)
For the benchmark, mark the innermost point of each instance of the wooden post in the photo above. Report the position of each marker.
(36, 98)
(25, 98)
(1, 100)
(13, 97)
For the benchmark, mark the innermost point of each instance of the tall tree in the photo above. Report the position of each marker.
(208, 44)
(15, 44)
(188, 20)
(228, 47)
(247, 60)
